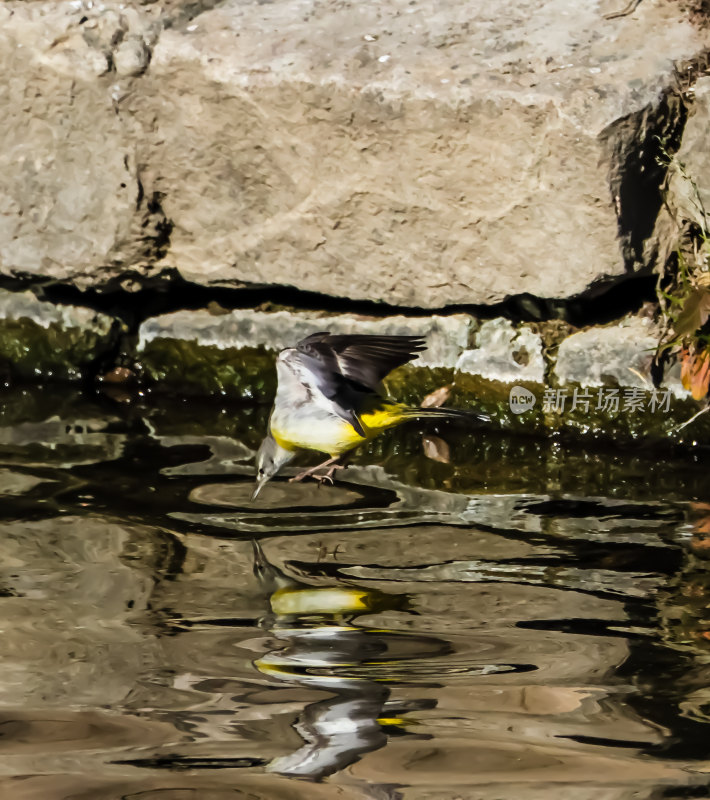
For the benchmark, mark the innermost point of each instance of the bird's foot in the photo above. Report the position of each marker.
(328, 476)
(312, 470)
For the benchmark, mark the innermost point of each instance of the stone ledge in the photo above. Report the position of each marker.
(233, 354)
(614, 355)
(446, 337)
(594, 381)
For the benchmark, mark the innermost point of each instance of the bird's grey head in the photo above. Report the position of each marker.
(269, 460)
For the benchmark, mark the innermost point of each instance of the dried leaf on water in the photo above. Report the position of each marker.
(118, 375)
(437, 398)
(436, 449)
(116, 393)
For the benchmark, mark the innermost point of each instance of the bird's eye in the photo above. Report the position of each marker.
(261, 471)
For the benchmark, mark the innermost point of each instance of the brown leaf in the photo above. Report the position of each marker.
(436, 449)
(695, 373)
(694, 315)
(437, 398)
(118, 375)
(686, 367)
(701, 377)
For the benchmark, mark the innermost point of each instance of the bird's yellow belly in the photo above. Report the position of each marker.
(329, 434)
(333, 436)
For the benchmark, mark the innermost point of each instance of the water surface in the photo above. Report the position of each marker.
(464, 615)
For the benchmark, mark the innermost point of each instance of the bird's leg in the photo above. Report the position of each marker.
(333, 465)
(337, 463)
(311, 470)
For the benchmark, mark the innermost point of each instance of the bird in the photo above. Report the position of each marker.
(330, 398)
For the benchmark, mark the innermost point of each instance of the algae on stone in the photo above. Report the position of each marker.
(239, 329)
(41, 340)
(493, 398)
(188, 368)
(234, 354)
(410, 384)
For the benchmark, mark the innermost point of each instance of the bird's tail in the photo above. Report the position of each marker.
(412, 412)
(390, 414)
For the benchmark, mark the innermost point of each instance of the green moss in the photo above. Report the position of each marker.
(411, 385)
(628, 423)
(191, 368)
(30, 351)
(484, 460)
(492, 397)
(623, 423)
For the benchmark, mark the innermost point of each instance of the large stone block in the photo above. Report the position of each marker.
(243, 328)
(689, 189)
(420, 154)
(425, 155)
(71, 202)
(505, 353)
(615, 355)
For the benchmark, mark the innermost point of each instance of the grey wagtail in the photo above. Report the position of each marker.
(329, 398)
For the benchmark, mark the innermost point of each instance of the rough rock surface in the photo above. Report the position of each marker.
(504, 353)
(614, 355)
(694, 155)
(422, 153)
(72, 206)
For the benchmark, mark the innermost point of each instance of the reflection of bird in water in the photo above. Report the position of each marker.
(322, 649)
(329, 398)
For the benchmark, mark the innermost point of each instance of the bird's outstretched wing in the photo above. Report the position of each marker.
(364, 359)
(350, 368)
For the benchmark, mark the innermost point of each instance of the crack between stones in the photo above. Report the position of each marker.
(133, 299)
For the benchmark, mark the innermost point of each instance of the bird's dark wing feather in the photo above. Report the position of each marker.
(362, 358)
(349, 369)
